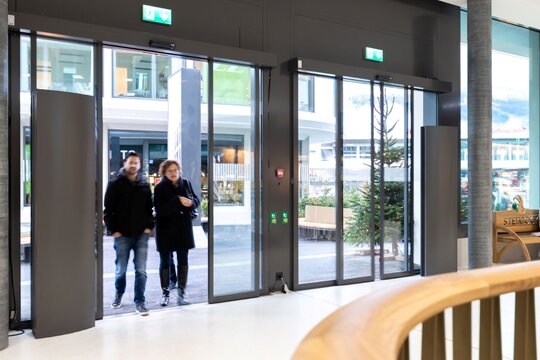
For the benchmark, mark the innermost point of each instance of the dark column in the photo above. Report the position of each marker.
(479, 132)
(4, 172)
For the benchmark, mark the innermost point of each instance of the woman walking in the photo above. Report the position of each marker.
(175, 204)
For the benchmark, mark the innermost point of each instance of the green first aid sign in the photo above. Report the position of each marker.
(156, 15)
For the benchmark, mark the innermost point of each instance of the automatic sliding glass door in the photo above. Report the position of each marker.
(234, 190)
(392, 173)
(358, 248)
(355, 175)
(316, 179)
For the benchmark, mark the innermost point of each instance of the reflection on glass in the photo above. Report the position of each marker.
(233, 184)
(317, 183)
(356, 179)
(65, 66)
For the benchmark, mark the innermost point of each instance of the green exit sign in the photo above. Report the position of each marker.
(373, 54)
(157, 15)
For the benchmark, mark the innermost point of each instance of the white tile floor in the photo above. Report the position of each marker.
(268, 327)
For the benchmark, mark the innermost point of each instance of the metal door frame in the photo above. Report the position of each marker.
(339, 73)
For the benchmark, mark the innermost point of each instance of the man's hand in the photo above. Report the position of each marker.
(147, 231)
(116, 234)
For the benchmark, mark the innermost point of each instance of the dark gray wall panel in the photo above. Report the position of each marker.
(63, 213)
(277, 146)
(4, 173)
(439, 201)
(216, 21)
(343, 44)
(380, 16)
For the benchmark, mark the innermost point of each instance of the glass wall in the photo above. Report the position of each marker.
(64, 66)
(61, 66)
(234, 251)
(317, 180)
(142, 75)
(515, 119)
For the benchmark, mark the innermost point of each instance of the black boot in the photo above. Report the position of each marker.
(164, 280)
(172, 273)
(182, 282)
(164, 298)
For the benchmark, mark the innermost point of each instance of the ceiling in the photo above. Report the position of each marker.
(521, 12)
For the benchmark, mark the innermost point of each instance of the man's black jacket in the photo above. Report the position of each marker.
(128, 205)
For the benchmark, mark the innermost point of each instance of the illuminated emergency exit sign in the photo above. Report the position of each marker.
(373, 54)
(156, 15)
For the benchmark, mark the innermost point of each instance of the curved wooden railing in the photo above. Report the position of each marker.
(377, 326)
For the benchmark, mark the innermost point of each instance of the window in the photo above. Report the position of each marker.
(305, 93)
(349, 151)
(138, 74)
(515, 81)
(64, 66)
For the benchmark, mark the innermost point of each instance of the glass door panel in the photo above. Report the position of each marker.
(357, 115)
(316, 179)
(65, 66)
(235, 250)
(392, 167)
(25, 170)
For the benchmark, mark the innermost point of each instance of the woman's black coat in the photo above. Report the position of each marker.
(174, 230)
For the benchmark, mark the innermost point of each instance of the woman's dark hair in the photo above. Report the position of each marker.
(166, 165)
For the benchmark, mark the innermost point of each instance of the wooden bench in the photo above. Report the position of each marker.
(511, 228)
(320, 222)
(25, 247)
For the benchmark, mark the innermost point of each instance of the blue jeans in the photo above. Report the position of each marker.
(123, 246)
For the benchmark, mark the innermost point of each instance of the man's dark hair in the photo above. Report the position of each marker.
(132, 153)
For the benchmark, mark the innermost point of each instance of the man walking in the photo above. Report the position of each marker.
(128, 217)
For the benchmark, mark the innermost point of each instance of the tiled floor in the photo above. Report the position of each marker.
(268, 327)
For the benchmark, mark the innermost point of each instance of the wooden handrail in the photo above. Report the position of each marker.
(377, 325)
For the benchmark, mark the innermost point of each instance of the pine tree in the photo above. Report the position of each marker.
(358, 231)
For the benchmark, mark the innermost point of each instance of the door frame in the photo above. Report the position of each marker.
(100, 37)
(340, 73)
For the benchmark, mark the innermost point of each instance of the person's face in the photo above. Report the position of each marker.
(132, 165)
(173, 173)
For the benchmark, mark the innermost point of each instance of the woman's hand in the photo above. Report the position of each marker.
(185, 201)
